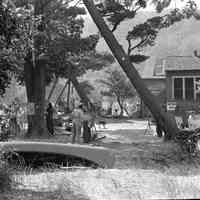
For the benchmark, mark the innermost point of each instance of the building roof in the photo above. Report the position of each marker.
(170, 63)
(174, 63)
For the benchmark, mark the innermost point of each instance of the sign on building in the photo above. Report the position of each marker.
(171, 106)
(155, 92)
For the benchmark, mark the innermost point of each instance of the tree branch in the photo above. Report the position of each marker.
(130, 49)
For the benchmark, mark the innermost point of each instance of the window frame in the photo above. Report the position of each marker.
(183, 85)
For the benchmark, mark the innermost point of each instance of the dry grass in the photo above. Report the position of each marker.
(5, 176)
(145, 168)
(118, 184)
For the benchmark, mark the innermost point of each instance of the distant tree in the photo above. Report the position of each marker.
(119, 87)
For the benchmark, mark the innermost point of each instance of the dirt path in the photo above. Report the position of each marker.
(141, 148)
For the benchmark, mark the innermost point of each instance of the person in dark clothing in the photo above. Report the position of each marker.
(159, 130)
(86, 132)
(49, 119)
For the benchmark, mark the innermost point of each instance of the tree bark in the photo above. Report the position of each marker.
(40, 119)
(169, 124)
(29, 84)
(35, 88)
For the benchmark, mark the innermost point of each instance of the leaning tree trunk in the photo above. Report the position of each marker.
(167, 121)
(35, 88)
(81, 93)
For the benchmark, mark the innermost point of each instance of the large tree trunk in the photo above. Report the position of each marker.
(40, 119)
(35, 88)
(34, 69)
(29, 80)
(168, 123)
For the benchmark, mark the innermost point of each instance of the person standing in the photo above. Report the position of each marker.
(13, 122)
(49, 119)
(77, 120)
(87, 127)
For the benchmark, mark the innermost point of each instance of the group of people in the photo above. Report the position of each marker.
(81, 119)
(12, 114)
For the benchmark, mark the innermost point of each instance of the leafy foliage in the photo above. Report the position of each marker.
(7, 25)
(137, 58)
(118, 11)
(53, 37)
(145, 34)
(86, 87)
(8, 31)
(118, 85)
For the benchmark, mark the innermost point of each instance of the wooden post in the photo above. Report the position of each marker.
(53, 88)
(68, 94)
(61, 93)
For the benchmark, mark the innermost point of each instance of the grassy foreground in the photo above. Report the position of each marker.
(145, 168)
(118, 184)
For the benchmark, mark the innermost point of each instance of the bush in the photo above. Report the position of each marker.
(5, 176)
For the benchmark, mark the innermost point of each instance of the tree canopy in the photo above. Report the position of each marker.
(144, 34)
(52, 36)
(8, 31)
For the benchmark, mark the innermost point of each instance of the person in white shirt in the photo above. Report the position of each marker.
(77, 120)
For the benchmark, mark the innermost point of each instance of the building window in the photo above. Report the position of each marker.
(178, 88)
(197, 88)
(189, 88)
(186, 88)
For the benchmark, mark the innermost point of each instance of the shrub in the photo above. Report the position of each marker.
(5, 175)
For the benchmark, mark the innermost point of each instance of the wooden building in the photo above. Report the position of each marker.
(176, 81)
